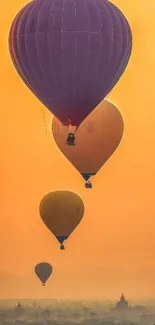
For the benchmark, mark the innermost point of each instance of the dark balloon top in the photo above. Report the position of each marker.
(70, 53)
(43, 270)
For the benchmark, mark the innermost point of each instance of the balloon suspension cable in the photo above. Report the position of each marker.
(72, 128)
(76, 129)
(44, 120)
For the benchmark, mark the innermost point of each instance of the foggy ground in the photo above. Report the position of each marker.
(52, 312)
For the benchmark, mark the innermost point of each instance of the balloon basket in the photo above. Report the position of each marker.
(88, 185)
(62, 247)
(71, 139)
(43, 284)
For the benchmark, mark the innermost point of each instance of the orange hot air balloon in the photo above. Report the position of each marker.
(61, 212)
(97, 138)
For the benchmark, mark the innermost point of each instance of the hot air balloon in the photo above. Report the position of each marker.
(97, 138)
(61, 212)
(70, 54)
(43, 271)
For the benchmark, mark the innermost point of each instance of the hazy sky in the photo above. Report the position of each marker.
(113, 249)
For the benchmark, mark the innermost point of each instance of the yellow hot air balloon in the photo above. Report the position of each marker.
(61, 212)
(97, 138)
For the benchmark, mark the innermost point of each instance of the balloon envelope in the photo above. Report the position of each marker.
(61, 212)
(70, 53)
(43, 271)
(97, 138)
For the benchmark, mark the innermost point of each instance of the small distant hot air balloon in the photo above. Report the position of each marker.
(97, 138)
(43, 271)
(70, 54)
(61, 212)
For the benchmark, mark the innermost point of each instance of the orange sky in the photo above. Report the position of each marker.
(113, 249)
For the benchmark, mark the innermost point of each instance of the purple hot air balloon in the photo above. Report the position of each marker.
(70, 53)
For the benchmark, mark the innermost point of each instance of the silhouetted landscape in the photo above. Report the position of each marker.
(53, 312)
